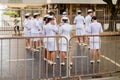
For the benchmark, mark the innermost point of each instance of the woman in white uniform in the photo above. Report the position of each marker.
(27, 28)
(87, 23)
(79, 21)
(45, 20)
(95, 28)
(51, 30)
(35, 30)
(64, 30)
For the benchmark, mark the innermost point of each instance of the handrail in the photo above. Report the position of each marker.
(23, 37)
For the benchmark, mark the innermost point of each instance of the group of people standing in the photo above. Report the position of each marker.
(89, 26)
(34, 25)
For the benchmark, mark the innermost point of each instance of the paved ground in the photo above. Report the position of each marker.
(17, 63)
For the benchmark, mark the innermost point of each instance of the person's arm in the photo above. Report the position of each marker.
(60, 30)
(55, 29)
(101, 29)
(74, 20)
(26, 24)
(83, 20)
(89, 29)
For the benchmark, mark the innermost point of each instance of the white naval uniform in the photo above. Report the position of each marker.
(95, 28)
(64, 30)
(87, 22)
(35, 29)
(79, 20)
(27, 27)
(45, 39)
(55, 21)
(41, 27)
(62, 19)
(51, 30)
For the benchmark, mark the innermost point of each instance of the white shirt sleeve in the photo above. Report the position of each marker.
(89, 29)
(26, 24)
(74, 20)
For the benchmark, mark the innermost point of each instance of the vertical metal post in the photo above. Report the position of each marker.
(17, 67)
(40, 57)
(25, 60)
(9, 56)
(1, 62)
(33, 58)
(68, 63)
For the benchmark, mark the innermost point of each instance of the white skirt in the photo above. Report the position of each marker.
(95, 42)
(27, 34)
(80, 29)
(80, 32)
(51, 45)
(94, 45)
(63, 47)
(35, 34)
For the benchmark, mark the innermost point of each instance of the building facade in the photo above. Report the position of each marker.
(70, 6)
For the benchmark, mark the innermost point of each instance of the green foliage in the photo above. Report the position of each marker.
(10, 13)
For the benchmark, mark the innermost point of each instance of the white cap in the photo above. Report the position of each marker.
(46, 15)
(90, 10)
(27, 14)
(78, 10)
(64, 13)
(48, 11)
(51, 17)
(36, 14)
(65, 18)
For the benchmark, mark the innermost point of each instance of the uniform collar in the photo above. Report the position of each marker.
(95, 21)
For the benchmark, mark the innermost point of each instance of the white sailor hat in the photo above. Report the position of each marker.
(36, 14)
(65, 18)
(48, 11)
(50, 17)
(46, 15)
(78, 10)
(90, 10)
(27, 14)
(64, 13)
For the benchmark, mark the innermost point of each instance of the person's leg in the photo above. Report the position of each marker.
(52, 56)
(18, 30)
(35, 42)
(45, 53)
(71, 62)
(49, 55)
(39, 43)
(98, 55)
(27, 42)
(63, 56)
(93, 54)
(78, 39)
(15, 30)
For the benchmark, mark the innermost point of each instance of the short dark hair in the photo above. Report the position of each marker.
(79, 12)
(94, 18)
(26, 16)
(15, 15)
(65, 20)
(90, 12)
(51, 13)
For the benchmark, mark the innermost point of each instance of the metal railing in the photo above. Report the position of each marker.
(19, 63)
(109, 58)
